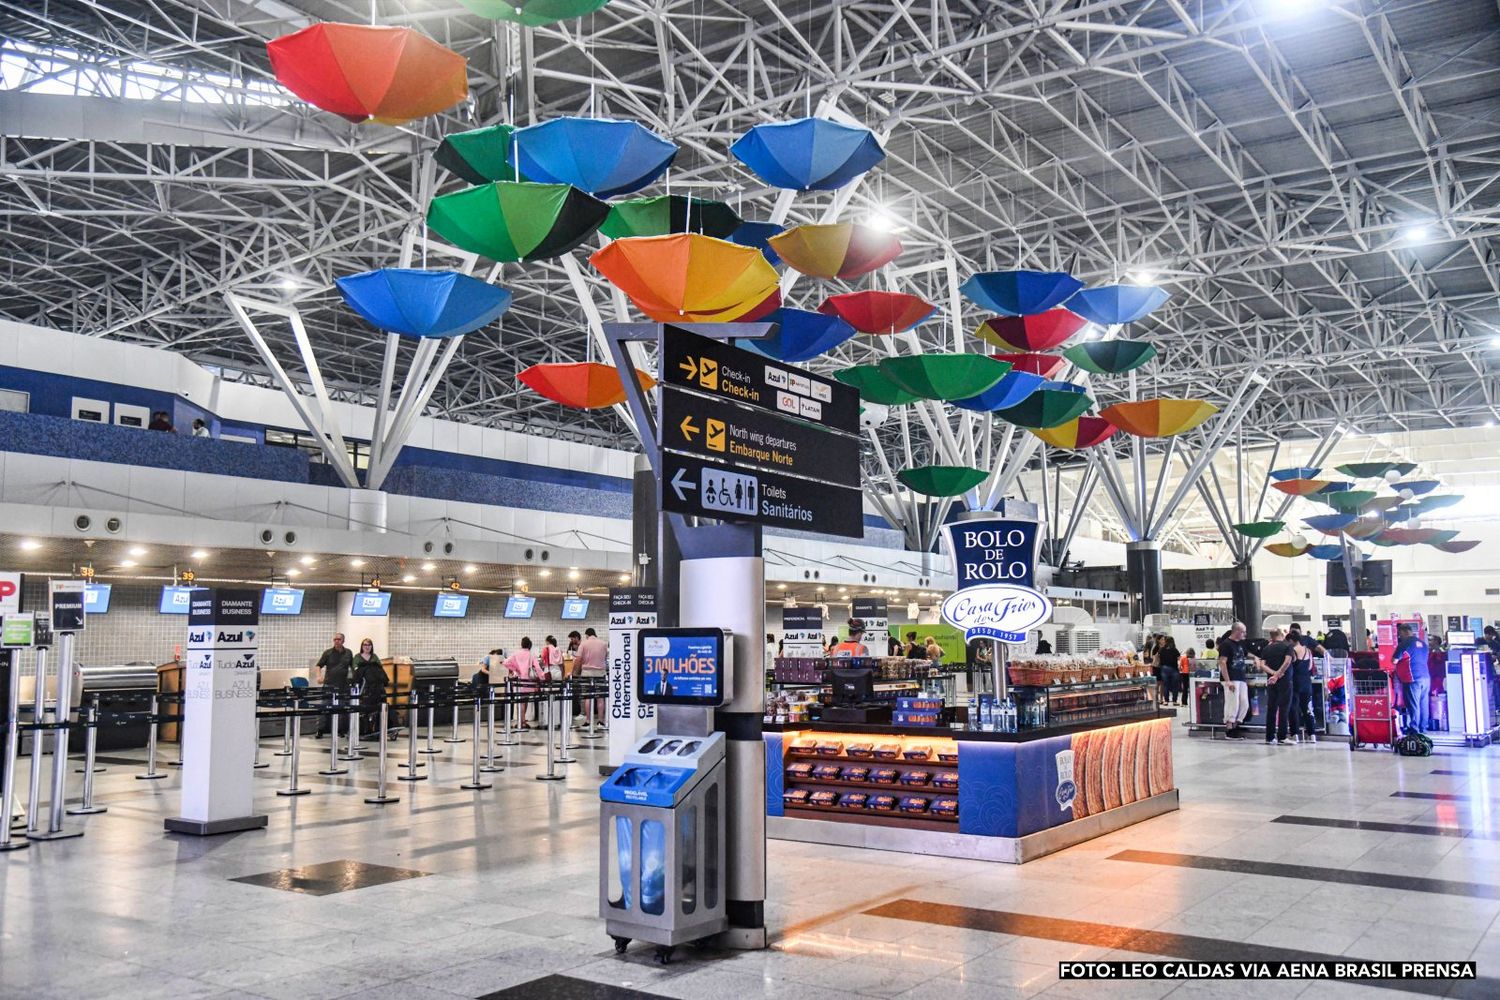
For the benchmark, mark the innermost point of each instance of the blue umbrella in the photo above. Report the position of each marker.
(417, 303)
(1020, 293)
(599, 155)
(1112, 304)
(1329, 523)
(1336, 487)
(1009, 391)
(758, 235)
(1302, 472)
(1417, 486)
(1328, 552)
(808, 154)
(800, 336)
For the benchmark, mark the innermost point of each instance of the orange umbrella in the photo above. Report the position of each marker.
(1286, 549)
(841, 250)
(1080, 432)
(369, 73)
(688, 277)
(1159, 418)
(1040, 332)
(1300, 487)
(583, 385)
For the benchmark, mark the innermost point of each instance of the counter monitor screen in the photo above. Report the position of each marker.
(575, 609)
(370, 604)
(280, 601)
(96, 598)
(850, 687)
(1372, 578)
(1460, 638)
(681, 666)
(519, 607)
(451, 606)
(175, 600)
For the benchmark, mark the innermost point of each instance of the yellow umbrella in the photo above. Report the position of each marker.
(1286, 549)
(1159, 417)
(1080, 432)
(840, 250)
(688, 277)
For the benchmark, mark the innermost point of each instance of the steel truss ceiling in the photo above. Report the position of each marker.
(1273, 170)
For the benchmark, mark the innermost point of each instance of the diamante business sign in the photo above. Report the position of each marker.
(997, 611)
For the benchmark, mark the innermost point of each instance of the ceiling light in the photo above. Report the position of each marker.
(882, 221)
(1142, 277)
(30, 545)
(307, 560)
(137, 551)
(573, 573)
(294, 572)
(199, 554)
(128, 563)
(288, 282)
(1418, 233)
(428, 567)
(1495, 341)
(624, 577)
(781, 586)
(545, 573)
(408, 578)
(471, 568)
(356, 563)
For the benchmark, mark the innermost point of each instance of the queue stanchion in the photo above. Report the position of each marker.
(352, 747)
(509, 716)
(592, 732)
(431, 716)
(38, 720)
(564, 714)
(333, 738)
(152, 774)
(292, 787)
(94, 703)
(490, 767)
(60, 727)
(411, 764)
(12, 749)
(181, 717)
(286, 733)
(570, 692)
(475, 782)
(551, 774)
(380, 798)
(257, 763)
(454, 737)
(90, 747)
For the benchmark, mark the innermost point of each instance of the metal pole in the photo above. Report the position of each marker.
(380, 798)
(592, 733)
(351, 747)
(12, 748)
(38, 719)
(255, 732)
(431, 714)
(475, 783)
(94, 708)
(181, 718)
(152, 773)
(509, 715)
(489, 763)
(564, 714)
(286, 733)
(55, 829)
(413, 725)
(90, 746)
(291, 788)
(570, 691)
(454, 737)
(551, 774)
(333, 739)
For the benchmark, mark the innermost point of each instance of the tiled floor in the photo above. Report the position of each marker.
(1276, 851)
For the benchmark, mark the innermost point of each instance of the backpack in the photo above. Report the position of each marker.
(1414, 745)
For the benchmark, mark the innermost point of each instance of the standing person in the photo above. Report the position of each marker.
(371, 679)
(1304, 721)
(1184, 674)
(525, 670)
(570, 655)
(593, 661)
(160, 422)
(1167, 656)
(854, 645)
(914, 649)
(893, 646)
(933, 651)
(334, 669)
(1043, 647)
(1410, 660)
(1335, 641)
(1234, 663)
(200, 429)
(552, 659)
(1276, 661)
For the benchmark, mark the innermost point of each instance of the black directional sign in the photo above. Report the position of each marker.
(723, 431)
(708, 489)
(717, 369)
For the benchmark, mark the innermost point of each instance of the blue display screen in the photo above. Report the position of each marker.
(520, 607)
(175, 600)
(280, 601)
(575, 609)
(451, 606)
(371, 604)
(682, 667)
(95, 598)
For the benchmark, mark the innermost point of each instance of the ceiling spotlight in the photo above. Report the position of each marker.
(356, 563)
(545, 573)
(518, 582)
(471, 568)
(137, 551)
(288, 283)
(30, 545)
(624, 577)
(1142, 277)
(1418, 233)
(307, 560)
(408, 578)
(573, 573)
(128, 563)
(294, 572)
(882, 221)
(428, 567)
(781, 586)
(199, 554)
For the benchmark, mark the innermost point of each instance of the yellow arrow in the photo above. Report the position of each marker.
(690, 366)
(687, 427)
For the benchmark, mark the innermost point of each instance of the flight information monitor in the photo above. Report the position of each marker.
(682, 666)
(96, 598)
(451, 606)
(281, 601)
(175, 600)
(519, 607)
(370, 604)
(575, 609)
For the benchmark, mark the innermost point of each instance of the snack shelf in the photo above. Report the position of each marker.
(865, 786)
(870, 761)
(896, 818)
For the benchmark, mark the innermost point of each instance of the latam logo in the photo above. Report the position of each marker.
(997, 611)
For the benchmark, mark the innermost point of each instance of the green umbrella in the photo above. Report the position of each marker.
(874, 387)
(480, 155)
(1259, 529)
(1370, 470)
(1434, 501)
(1046, 408)
(516, 220)
(533, 13)
(670, 213)
(945, 376)
(1348, 501)
(1110, 357)
(942, 480)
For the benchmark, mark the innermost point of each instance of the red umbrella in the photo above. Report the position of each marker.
(583, 385)
(878, 312)
(370, 73)
(1045, 365)
(1041, 332)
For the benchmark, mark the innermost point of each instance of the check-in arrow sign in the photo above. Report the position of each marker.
(690, 366)
(679, 484)
(687, 427)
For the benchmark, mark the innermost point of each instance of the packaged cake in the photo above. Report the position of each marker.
(829, 748)
(944, 807)
(945, 779)
(882, 803)
(804, 746)
(918, 751)
(853, 800)
(916, 777)
(913, 804)
(823, 798)
(884, 775)
(948, 756)
(888, 751)
(799, 770)
(794, 796)
(826, 772)
(860, 750)
(855, 774)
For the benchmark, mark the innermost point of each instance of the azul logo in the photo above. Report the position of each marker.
(199, 636)
(997, 611)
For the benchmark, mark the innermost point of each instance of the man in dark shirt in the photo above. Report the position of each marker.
(1277, 662)
(1410, 661)
(336, 664)
(1234, 665)
(1336, 640)
(1304, 648)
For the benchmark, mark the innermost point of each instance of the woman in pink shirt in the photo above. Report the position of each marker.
(525, 670)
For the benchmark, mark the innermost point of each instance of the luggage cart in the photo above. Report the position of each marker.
(1372, 707)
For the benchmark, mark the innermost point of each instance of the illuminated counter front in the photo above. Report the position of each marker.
(995, 796)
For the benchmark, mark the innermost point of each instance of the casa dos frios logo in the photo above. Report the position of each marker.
(997, 611)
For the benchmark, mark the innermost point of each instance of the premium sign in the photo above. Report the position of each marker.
(718, 430)
(993, 550)
(997, 611)
(67, 605)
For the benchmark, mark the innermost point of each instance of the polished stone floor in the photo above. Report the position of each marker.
(1277, 852)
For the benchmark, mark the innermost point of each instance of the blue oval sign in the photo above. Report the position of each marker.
(997, 611)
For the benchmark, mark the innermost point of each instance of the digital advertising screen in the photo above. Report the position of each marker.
(176, 600)
(96, 598)
(519, 607)
(681, 666)
(371, 604)
(451, 606)
(281, 601)
(575, 609)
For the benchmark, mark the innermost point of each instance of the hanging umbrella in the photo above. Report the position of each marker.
(1112, 304)
(942, 480)
(1110, 357)
(1020, 293)
(1299, 487)
(1009, 391)
(808, 154)
(1036, 332)
(1399, 513)
(1348, 501)
(1326, 552)
(1437, 501)
(1045, 365)
(599, 155)
(1080, 432)
(800, 335)
(417, 303)
(1259, 529)
(1380, 503)
(878, 312)
(1365, 527)
(1440, 536)
(1455, 547)
(1329, 524)
(584, 385)
(874, 386)
(1417, 487)
(944, 376)
(1303, 472)
(516, 220)
(1373, 470)
(758, 235)
(842, 250)
(1158, 418)
(1053, 403)
(687, 277)
(1337, 487)
(480, 155)
(1286, 550)
(1411, 536)
(369, 73)
(670, 213)
(533, 13)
